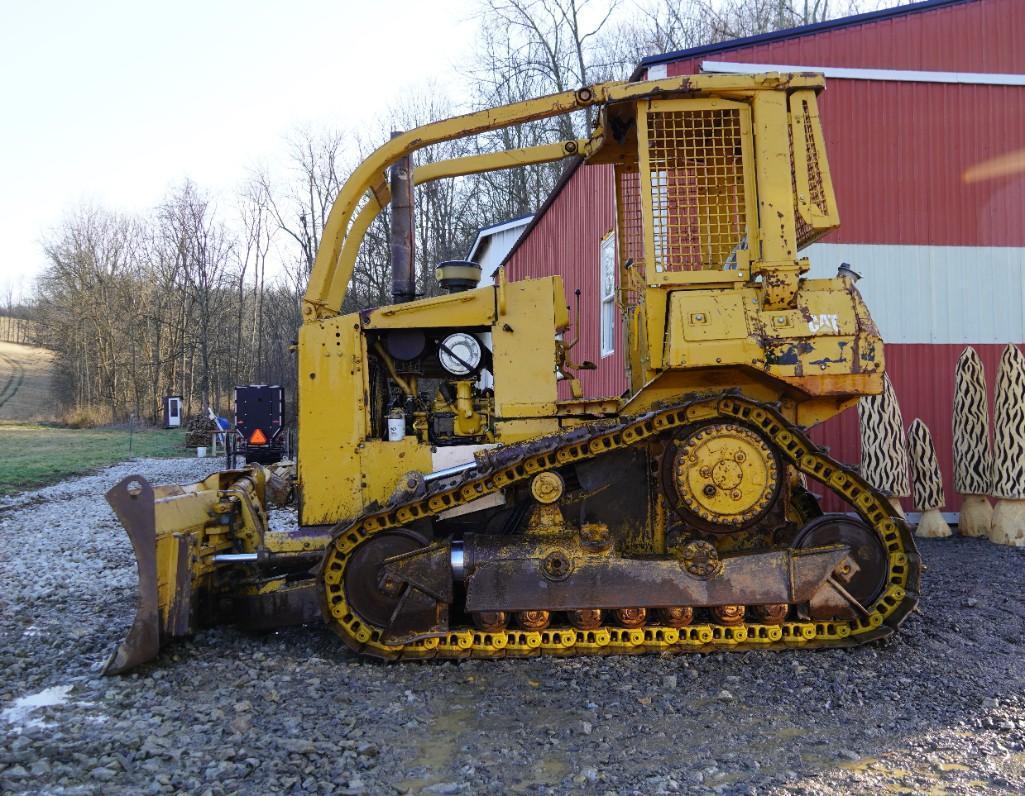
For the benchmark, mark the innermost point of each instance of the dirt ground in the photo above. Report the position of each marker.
(26, 382)
(939, 708)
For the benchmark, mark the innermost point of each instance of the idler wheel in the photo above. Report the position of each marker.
(772, 614)
(490, 621)
(728, 615)
(631, 617)
(585, 618)
(676, 616)
(866, 548)
(372, 596)
(533, 620)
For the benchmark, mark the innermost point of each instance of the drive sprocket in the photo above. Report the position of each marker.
(724, 477)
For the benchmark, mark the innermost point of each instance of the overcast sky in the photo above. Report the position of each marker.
(114, 101)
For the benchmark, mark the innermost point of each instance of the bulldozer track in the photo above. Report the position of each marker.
(14, 380)
(515, 463)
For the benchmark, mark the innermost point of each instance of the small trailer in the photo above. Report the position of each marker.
(259, 433)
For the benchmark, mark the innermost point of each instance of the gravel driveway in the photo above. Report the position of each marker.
(939, 708)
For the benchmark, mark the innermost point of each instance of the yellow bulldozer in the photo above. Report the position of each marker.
(451, 505)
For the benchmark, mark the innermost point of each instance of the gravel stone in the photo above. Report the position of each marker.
(939, 707)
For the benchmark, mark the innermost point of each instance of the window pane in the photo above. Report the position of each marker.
(608, 267)
(608, 326)
(607, 286)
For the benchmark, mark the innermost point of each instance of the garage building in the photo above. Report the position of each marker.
(924, 118)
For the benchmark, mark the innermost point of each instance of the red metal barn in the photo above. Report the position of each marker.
(924, 116)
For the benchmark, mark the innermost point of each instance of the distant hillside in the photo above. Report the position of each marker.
(26, 383)
(16, 330)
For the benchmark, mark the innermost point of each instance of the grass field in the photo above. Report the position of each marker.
(26, 383)
(34, 455)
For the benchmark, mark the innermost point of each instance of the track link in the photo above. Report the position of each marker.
(515, 463)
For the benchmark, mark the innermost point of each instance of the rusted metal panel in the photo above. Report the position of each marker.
(513, 579)
(297, 603)
(401, 234)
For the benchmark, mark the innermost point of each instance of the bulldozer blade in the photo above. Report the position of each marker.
(132, 500)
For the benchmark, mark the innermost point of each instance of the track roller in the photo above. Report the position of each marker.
(676, 616)
(631, 617)
(490, 621)
(728, 615)
(773, 614)
(585, 618)
(533, 620)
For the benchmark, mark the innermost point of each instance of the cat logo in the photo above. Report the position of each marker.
(824, 323)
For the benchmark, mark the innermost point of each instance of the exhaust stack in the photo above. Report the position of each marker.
(403, 278)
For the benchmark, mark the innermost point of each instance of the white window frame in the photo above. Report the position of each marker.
(607, 300)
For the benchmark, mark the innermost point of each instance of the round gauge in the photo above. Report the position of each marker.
(459, 354)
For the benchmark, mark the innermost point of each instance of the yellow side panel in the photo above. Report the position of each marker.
(509, 431)
(561, 307)
(332, 419)
(524, 349)
(777, 233)
(708, 328)
(384, 463)
(827, 335)
(655, 328)
(709, 316)
(530, 410)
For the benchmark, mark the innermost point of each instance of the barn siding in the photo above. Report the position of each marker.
(935, 294)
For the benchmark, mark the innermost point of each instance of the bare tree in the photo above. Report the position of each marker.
(300, 209)
(202, 246)
(252, 253)
(544, 46)
(86, 308)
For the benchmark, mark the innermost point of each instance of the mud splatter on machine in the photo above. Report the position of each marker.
(451, 505)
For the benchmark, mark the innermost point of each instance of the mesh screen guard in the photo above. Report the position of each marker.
(695, 186)
(698, 212)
